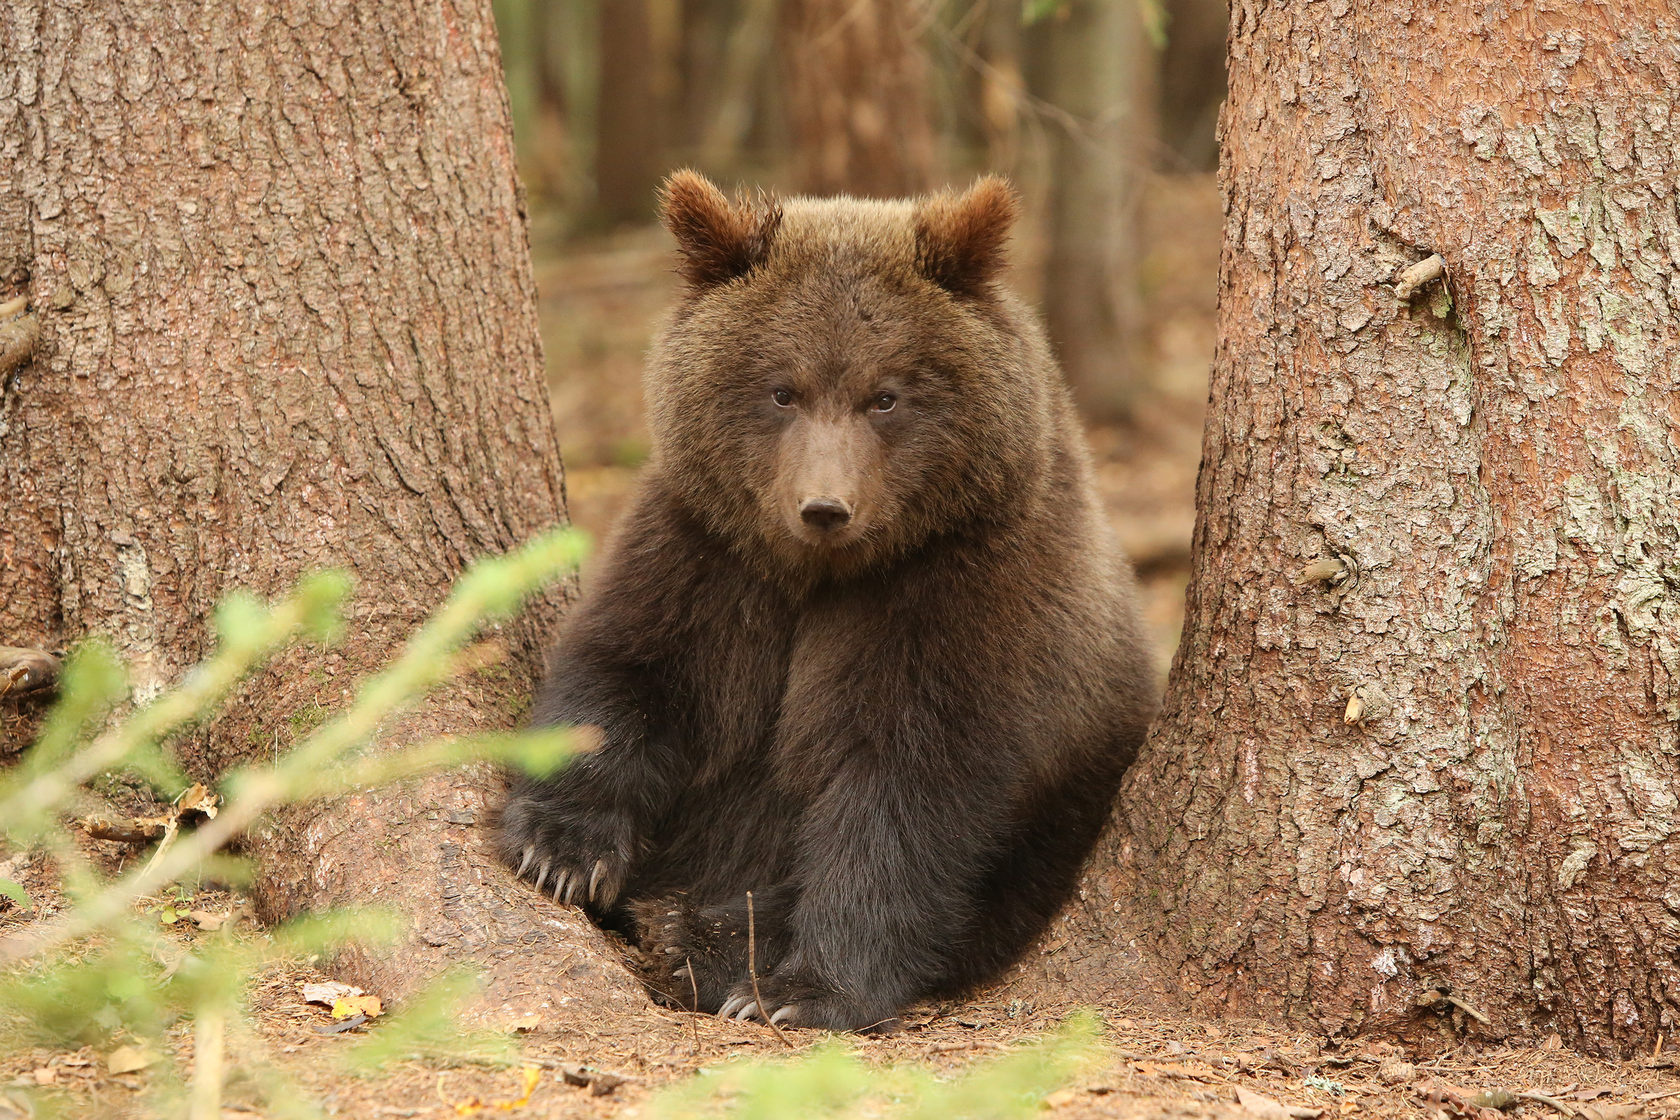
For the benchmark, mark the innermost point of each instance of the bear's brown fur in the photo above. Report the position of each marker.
(861, 645)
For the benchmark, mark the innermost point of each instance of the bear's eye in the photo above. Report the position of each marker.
(883, 402)
(782, 397)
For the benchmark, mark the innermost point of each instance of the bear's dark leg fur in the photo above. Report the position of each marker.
(697, 955)
(673, 728)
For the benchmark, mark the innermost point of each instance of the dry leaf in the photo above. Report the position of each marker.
(1553, 1042)
(357, 1005)
(1496, 1099)
(207, 921)
(46, 1075)
(473, 1105)
(329, 993)
(1261, 1106)
(127, 1059)
(597, 1082)
(1610, 1111)
(197, 799)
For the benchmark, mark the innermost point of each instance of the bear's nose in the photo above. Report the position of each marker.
(824, 514)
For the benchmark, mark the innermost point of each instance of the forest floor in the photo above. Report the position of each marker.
(599, 303)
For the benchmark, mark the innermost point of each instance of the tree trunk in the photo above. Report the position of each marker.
(855, 85)
(629, 134)
(533, 37)
(1422, 734)
(1097, 71)
(280, 267)
(1190, 84)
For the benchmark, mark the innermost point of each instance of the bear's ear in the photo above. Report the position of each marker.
(960, 238)
(719, 240)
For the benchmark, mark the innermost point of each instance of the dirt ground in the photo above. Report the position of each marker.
(1150, 1063)
(599, 303)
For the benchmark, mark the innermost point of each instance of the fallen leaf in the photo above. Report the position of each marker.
(471, 1106)
(1611, 1111)
(197, 799)
(598, 1083)
(1553, 1042)
(1261, 1106)
(369, 1006)
(15, 892)
(128, 1059)
(46, 1075)
(328, 993)
(207, 921)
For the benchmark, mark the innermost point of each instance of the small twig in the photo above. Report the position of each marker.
(694, 1024)
(170, 828)
(1470, 1011)
(752, 971)
(135, 830)
(1426, 271)
(1562, 1106)
(208, 1039)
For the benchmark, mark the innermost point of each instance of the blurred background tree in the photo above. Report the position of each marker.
(1094, 107)
(1102, 112)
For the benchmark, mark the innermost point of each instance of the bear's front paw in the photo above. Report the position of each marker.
(580, 856)
(693, 956)
(796, 1000)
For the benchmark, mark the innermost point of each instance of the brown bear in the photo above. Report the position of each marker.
(861, 645)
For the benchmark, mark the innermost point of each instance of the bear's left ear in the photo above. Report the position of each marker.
(719, 239)
(960, 238)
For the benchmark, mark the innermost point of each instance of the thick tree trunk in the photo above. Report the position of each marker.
(855, 86)
(280, 266)
(1423, 732)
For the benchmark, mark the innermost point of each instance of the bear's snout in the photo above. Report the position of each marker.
(826, 515)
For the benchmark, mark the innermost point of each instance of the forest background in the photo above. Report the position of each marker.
(1103, 115)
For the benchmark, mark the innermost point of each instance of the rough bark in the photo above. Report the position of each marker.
(856, 93)
(1495, 468)
(279, 261)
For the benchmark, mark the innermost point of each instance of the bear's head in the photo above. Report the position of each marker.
(845, 379)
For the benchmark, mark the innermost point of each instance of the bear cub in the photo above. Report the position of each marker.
(861, 644)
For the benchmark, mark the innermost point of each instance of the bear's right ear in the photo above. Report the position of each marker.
(719, 240)
(960, 237)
